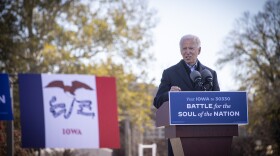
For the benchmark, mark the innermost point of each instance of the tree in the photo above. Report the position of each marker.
(105, 38)
(134, 102)
(254, 47)
(51, 35)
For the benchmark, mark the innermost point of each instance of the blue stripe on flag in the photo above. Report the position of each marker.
(31, 110)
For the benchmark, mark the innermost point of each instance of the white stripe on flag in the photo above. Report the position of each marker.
(71, 116)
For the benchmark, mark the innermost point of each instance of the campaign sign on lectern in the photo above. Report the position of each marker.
(208, 108)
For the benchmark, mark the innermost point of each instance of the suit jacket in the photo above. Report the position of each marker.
(179, 75)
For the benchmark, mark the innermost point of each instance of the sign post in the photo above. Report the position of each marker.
(6, 111)
(5, 98)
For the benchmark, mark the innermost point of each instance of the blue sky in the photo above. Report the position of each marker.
(211, 20)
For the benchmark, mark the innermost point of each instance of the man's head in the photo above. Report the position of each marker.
(190, 48)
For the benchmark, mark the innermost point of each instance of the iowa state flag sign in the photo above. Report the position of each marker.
(68, 111)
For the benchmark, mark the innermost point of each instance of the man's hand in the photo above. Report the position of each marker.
(175, 88)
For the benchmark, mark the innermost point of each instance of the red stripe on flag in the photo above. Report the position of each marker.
(107, 112)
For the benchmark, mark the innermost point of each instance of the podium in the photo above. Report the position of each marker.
(196, 140)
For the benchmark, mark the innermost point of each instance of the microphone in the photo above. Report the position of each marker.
(196, 78)
(207, 79)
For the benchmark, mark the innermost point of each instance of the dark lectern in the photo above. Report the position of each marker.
(196, 140)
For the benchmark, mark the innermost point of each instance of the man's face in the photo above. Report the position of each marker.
(189, 51)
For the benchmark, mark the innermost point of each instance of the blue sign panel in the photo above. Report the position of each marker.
(208, 108)
(5, 98)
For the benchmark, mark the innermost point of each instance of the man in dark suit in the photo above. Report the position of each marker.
(177, 77)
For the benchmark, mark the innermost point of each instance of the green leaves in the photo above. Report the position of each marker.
(102, 38)
(86, 37)
(254, 47)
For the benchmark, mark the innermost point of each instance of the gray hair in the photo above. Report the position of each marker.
(192, 37)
